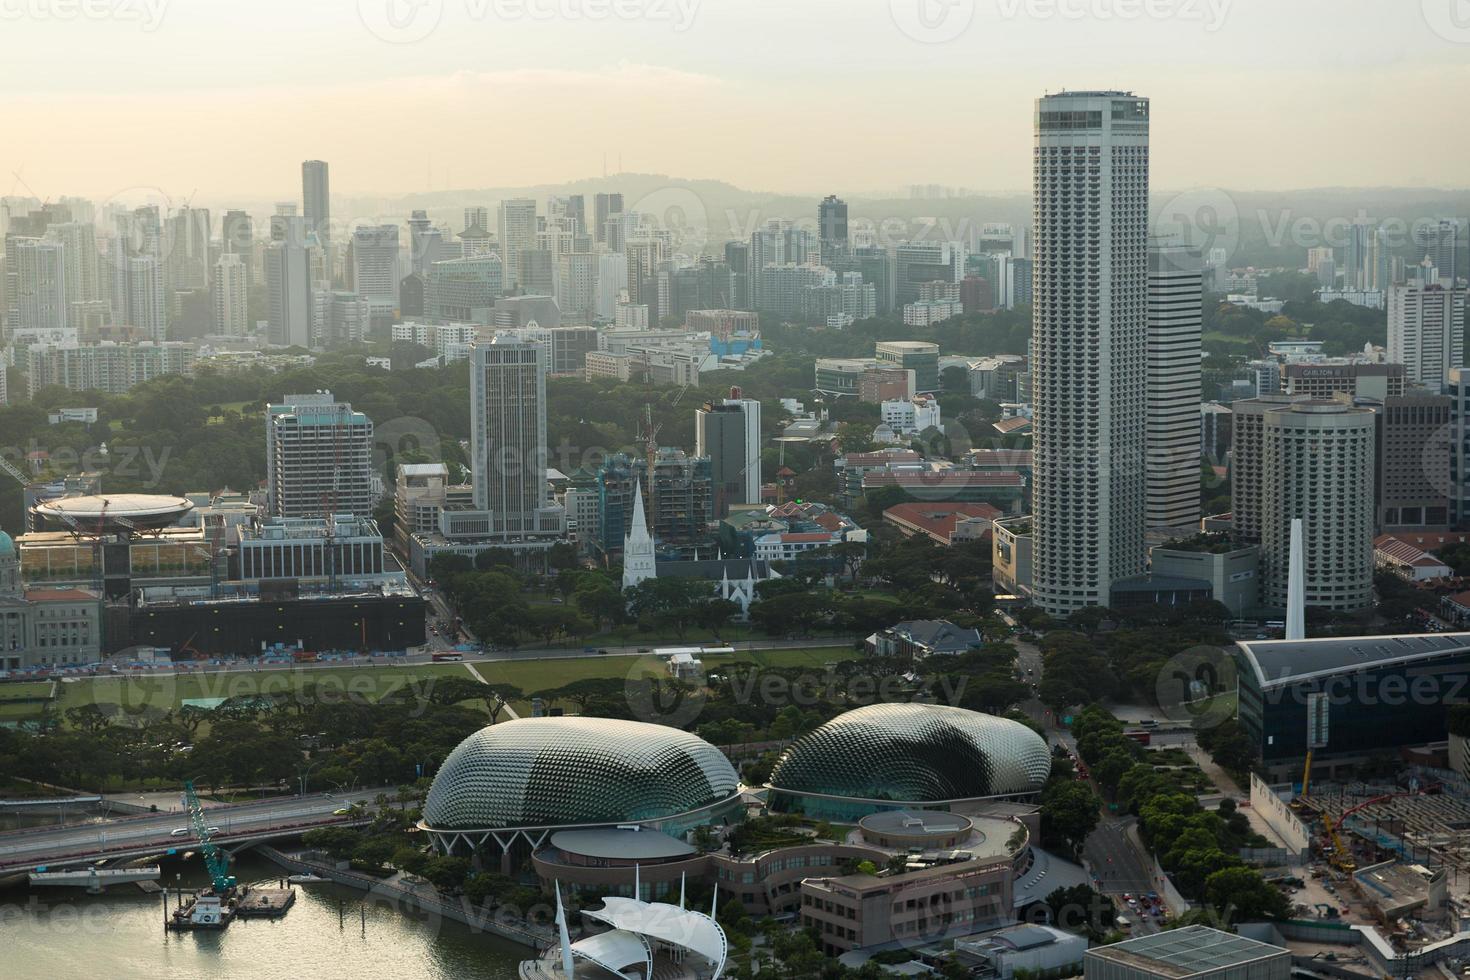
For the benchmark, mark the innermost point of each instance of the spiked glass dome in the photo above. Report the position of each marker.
(546, 772)
(913, 753)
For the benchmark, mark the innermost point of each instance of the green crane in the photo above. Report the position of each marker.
(215, 860)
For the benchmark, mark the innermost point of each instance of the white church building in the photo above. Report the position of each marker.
(733, 579)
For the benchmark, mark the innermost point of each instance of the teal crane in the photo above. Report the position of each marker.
(215, 860)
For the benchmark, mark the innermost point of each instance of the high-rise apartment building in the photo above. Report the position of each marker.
(1090, 215)
(1437, 240)
(375, 264)
(319, 457)
(237, 237)
(78, 239)
(1414, 462)
(316, 201)
(1318, 464)
(517, 225)
(832, 228)
(508, 435)
(917, 263)
(288, 283)
(186, 249)
(477, 217)
(1175, 320)
(108, 366)
(228, 295)
(1247, 421)
(145, 300)
(1426, 330)
(612, 284)
(537, 273)
(576, 285)
(420, 249)
(729, 433)
(1458, 390)
(40, 284)
(604, 206)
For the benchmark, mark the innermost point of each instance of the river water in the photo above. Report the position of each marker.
(64, 933)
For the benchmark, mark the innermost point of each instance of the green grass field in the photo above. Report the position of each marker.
(168, 692)
(14, 710)
(148, 694)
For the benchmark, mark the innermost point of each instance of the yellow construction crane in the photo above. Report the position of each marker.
(1296, 804)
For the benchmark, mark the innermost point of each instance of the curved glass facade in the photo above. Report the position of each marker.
(907, 753)
(535, 772)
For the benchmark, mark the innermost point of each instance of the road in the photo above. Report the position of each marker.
(39, 845)
(1112, 852)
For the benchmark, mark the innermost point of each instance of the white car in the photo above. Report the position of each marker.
(178, 832)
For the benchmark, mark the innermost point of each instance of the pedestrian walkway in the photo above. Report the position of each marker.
(511, 712)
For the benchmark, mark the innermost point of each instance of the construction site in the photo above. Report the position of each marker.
(1377, 871)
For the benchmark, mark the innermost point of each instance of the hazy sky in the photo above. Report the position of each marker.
(103, 96)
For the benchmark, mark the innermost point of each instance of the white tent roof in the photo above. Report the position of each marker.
(614, 951)
(686, 929)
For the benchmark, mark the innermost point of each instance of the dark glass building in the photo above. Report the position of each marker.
(1347, 699)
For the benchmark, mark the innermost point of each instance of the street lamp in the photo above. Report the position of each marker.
(301, 775)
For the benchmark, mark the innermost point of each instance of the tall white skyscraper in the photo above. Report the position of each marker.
(375, 264)
(508, 434)
(1426, 330)
(612, 282)
(40, 283)
(288, 283)
(228, 295)
(1175, 295)
(576, 283)
(316, 200)
(517, 233)
(1089, 327)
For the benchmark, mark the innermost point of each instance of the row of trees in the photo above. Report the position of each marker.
(317, 734)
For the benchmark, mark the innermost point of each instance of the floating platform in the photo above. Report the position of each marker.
(265, 903)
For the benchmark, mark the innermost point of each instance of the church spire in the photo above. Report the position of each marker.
(639, 562)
